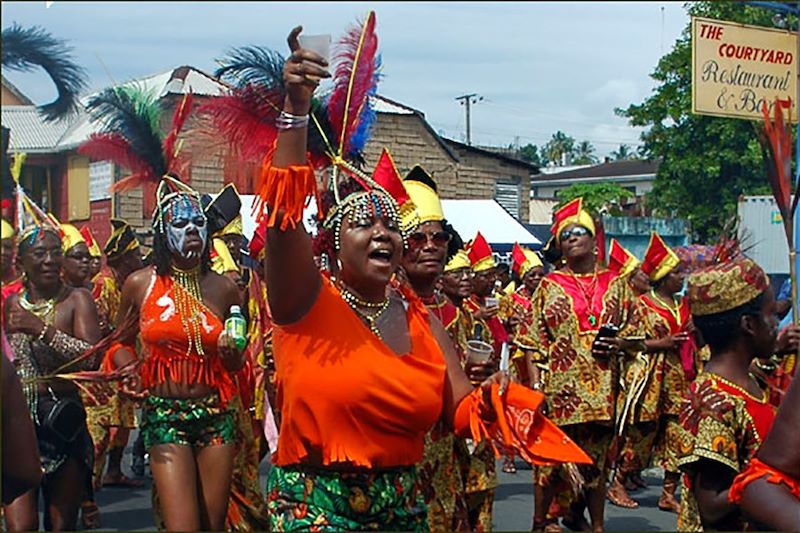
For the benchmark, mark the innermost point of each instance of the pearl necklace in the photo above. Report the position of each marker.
(356, 304)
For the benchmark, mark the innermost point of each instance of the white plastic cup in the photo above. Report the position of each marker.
(479, 351)
(491, 301)
(320, 44)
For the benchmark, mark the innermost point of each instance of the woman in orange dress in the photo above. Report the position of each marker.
(363, 370)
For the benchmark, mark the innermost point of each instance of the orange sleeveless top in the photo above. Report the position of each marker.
(345, 397)
(165, 341)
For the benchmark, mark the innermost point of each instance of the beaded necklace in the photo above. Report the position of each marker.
(45, 310)
(356, 304)
(188, 298)
(674, 310)
(588, 295)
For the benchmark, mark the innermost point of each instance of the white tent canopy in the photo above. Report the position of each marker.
(487, 216)
(466, 216)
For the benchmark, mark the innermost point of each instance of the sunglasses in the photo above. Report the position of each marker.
(577, 231)
(461, 273)
(439, 238)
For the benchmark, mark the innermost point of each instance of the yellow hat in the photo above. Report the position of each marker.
(422, 190)
(480, 254)
(221, 259)
(510, 288)
(659, 259)
(571, 213)
(7, 230)
(458, 261)
(523, 260)
(70, 237)
(234, 227)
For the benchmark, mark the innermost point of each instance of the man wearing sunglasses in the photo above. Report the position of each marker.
(575, 308)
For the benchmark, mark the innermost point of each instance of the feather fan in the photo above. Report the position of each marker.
(25, 48)
(355, 79)
(776, 145)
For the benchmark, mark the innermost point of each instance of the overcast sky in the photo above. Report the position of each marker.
(540, 66)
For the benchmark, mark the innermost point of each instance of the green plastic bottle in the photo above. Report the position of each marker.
(236, 327)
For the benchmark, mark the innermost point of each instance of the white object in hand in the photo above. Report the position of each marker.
(320, 44)
(478, 351)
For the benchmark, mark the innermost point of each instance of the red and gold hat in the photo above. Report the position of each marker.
(725, 286)
(659, 259)
(480, 254)
(620, 260)
(94, 249)
(522, 260)
(571, 213)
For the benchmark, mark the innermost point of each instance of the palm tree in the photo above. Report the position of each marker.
(584, 154)
(622, 153)
(559, 146)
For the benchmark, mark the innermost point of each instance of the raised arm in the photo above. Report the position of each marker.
(293, 280)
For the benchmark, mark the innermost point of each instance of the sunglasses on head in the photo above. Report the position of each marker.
(440, 238)
(577, 231)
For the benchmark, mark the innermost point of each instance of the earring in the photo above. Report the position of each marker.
(338, 265)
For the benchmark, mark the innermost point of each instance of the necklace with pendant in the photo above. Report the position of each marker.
(358, 305)
(588, 295)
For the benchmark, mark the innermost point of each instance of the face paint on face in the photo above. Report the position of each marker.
(186, 228)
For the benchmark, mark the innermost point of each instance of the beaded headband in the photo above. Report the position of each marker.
(173, 196)
(360, 205)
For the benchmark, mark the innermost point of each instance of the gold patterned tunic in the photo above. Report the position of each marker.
(719, 422)
(567, 313)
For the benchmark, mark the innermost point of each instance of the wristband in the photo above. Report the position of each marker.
(287, 121)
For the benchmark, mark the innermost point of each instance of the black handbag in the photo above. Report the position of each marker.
(65, 417)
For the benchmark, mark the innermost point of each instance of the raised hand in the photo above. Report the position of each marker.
(302, 72)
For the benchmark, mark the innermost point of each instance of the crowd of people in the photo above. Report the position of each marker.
(387, 363)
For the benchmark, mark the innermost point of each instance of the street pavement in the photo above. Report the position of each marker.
(124, 509)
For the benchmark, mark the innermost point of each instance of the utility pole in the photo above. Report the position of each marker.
(467, 100)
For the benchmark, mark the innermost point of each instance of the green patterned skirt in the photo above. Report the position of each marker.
(313, 499)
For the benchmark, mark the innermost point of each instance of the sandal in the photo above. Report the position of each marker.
(618, 496)
(509, 467)
(636, 479)
(90, 515)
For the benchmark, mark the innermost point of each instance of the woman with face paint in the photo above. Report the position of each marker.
(177, 308)
(181, 305)
(363, 369)
(49, 326)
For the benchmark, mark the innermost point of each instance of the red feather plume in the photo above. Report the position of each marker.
(115, 147)
(182, 113)
(777, 145)
(245, 118)
(354, 77)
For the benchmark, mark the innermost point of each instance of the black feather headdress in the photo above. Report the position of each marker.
(26, 48)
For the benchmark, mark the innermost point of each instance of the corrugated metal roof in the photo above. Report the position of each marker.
(29, 131)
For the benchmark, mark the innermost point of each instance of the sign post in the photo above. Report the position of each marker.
(737, 68)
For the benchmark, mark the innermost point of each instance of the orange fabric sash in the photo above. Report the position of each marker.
(519, 427)
(756, 470)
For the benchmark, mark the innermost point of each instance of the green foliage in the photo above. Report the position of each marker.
(623, 153)
(584, 154)
(560, 144)
(532, 154)
(706, 162)
(597, 197)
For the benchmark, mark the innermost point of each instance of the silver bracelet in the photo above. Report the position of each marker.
(287, 121)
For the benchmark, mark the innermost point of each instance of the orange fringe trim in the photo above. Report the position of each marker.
(756, 470)
(159, 369)
(286, 191)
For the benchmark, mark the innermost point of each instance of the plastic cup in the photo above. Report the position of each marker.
(320, 44)
(479, 352)
(491, 301)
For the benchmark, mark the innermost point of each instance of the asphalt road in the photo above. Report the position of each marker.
(124, 509)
